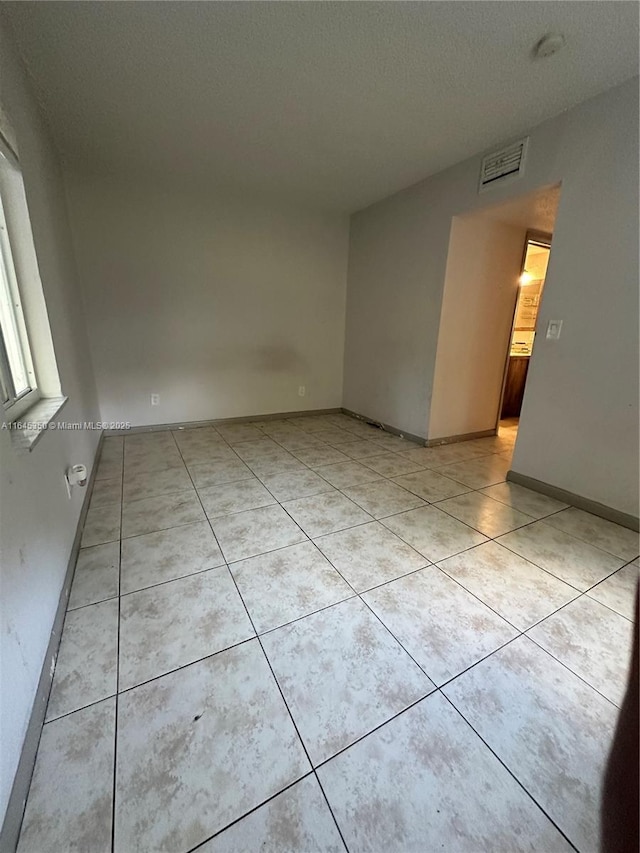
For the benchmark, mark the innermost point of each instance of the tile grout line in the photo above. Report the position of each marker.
(400, 643)
(511, 773)
(207, 519)
(385, 479)
(115, 728)
(568, 668)
(519, 633)
(251, 811)
(388, 479)
(169, 580)
(258, 636)
(488, 538)
(291, 717)
(437, 688)
(182, 666)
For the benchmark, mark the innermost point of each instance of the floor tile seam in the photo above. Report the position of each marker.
(239, 511)
(376, 479)
(329, 806)
(132, 475)
(572, 671)
(370, 609)
(396, 477)
(534, 563)
(115, 724)
(391, 580)
(519, 634)
(162, 529)
(497, 613)
(602, 603)
(273, 675)
(440, 469)
(512, 773)
(157, 584)
(555, 611)
(300, 618)
(320, 494)
(580, 538)
(413, 547)
(402, 512)
(207, 519)
(178, 491)
(251, 811)
(518, 631)
(401, 645)
(289, 711)
(84, 707)
(550, 515)
(390, 516)
(376, 728)
(174, 669)
(495, 536)
(92, 603)
(549, 571)
(437, 467)
(257, 636)
(475, 596)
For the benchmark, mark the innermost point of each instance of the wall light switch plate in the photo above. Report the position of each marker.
(553, 330)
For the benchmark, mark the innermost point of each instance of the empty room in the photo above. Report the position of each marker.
(319, 361)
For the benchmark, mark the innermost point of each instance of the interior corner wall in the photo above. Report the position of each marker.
(224, 305)
(579, 427)
(480, 291)
(37, 520)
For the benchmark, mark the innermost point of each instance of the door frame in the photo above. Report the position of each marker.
(531, 236)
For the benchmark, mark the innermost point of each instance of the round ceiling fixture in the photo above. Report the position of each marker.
(548, 45)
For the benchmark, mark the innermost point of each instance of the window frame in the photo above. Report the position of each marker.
(14, 404)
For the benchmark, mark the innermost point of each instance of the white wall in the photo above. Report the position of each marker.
(222, 305)
(579, 428)
(480, 290)
(37, 521)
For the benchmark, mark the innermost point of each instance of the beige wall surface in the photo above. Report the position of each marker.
(480, 290)
(224, 306)
(579, 428)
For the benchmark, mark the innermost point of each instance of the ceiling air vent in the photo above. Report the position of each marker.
(503, 165)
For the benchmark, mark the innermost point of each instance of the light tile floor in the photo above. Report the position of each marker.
(316, 636)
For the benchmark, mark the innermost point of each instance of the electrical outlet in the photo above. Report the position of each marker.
(155, 399)
(301, 390)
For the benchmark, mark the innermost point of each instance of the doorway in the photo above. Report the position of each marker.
(535, 260)
(494, 278)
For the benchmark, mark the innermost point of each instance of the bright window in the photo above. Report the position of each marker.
(19, 386)
(28, 368)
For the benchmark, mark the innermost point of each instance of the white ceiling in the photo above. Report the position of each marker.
(335, 104)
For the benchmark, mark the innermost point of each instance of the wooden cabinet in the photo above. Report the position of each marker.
(514, 386)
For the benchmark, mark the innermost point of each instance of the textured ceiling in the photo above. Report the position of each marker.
(335, 104)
